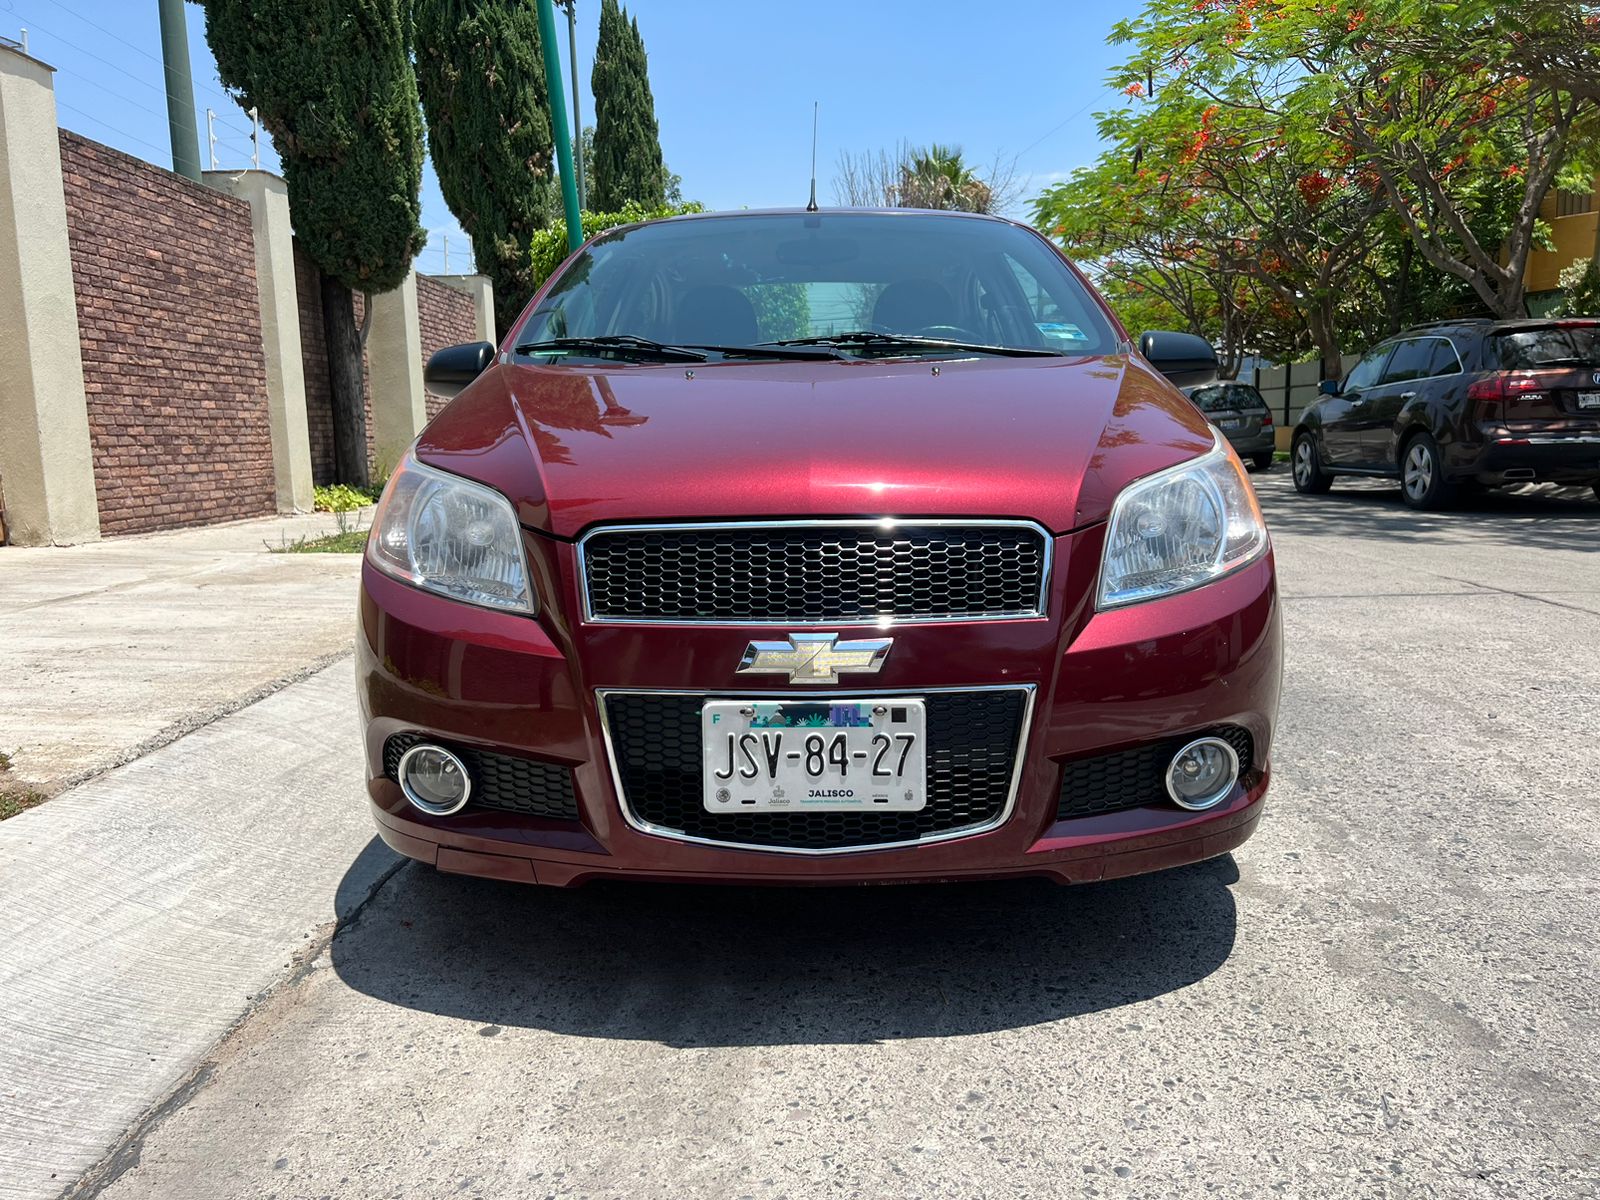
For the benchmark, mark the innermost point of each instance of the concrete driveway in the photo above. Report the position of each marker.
(1393, 990)
(116, 647)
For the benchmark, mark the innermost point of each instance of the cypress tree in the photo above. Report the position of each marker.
(333, 83)
(482, 81)
(627, 163)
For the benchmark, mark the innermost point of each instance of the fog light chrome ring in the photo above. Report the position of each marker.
(433, 808)
(1218, 794)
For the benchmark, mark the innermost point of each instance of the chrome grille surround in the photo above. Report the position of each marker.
(906, 545)
(1025, 728)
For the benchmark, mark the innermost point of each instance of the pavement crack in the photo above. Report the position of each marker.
(126, 1154)
(1537, 599)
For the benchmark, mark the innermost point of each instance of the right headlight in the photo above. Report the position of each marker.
(449, 535)
(1180, 528)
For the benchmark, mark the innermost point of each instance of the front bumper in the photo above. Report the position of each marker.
(1100, 682)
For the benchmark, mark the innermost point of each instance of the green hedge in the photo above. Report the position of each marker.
(549, 247)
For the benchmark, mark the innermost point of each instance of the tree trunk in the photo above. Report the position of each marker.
(1324, 333)
(344, 383)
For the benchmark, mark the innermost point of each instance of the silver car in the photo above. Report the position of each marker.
(1239, 411)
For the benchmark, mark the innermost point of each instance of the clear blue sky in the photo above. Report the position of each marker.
(733, 86)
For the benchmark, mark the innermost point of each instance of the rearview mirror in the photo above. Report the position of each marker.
(451, 369)
(1182, 357)
(1328, 387)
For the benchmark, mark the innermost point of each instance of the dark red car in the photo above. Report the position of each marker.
(818, 547)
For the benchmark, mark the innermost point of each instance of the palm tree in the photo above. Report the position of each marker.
(937, 176)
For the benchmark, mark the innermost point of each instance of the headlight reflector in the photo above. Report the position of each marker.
(1180, 528)
(446, 534)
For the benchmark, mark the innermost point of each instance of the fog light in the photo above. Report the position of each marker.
(434, 780)
(1202, 774)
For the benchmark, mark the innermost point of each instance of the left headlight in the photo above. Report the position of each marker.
(446, 534)
(1180, 528)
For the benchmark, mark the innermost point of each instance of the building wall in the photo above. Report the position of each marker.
(1574, 238)
(170, 326)
(448, 318)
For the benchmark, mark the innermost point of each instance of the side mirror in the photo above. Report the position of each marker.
(1329, 387)
(1182, 357)
(451, 369)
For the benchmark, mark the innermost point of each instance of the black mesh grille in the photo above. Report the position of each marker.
(815, 573)
(1136, 777)
(502, 781)
(972, 744)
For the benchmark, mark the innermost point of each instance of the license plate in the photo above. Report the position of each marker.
(1589, 399)
(1232, 423)
(814, 756)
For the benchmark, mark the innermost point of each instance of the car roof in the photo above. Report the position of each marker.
(1488, 324)
(839, 211)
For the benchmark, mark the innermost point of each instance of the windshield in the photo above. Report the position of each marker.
(738, 281)
(1563, 344)
(1223, 396)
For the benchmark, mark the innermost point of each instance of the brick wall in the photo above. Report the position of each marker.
(170, 324)
(448, 318)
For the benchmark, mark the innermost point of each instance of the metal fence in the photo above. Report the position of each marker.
(1292, 388)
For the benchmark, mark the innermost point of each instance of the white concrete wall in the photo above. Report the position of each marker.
(46, 466)
(268, 198)
(394, 362)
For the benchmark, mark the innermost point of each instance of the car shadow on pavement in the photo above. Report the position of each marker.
(737, 966)
(1537, 516)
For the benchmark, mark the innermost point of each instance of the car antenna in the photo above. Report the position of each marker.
(811, 205)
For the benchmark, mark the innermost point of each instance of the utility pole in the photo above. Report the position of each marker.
(211, 135)
(180, 90)
(558, 121)
(577, 107)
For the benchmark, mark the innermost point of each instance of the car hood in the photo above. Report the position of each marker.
(1049, 439)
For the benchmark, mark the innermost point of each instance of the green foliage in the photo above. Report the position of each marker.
(1581, 283)
(783, 310)
(334, 86)
(340, 497)
(1300, 172)
(351, 538)
(481, 76)
(14, 800)
(549, 247)
(938, 176)
(627, 166)
(1427, 107)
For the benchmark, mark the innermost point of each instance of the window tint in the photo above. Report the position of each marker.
(1569, 345)
(739, 279)
(1245, 396)
(1444, 361)
(1409, 361)
(1365, 373)
(1228, 397)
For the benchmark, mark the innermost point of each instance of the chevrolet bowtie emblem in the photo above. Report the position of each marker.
(815, 657)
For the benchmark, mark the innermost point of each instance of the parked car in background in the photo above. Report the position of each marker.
(1475, 403)
(1243, 416)
(818, 547)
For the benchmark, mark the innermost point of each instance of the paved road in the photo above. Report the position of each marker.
(1390, 992)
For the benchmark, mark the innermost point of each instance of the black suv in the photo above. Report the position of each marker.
(1478, 403)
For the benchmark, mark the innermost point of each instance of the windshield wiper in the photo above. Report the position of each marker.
(619, 345)
(868, 340)
(817, 353)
